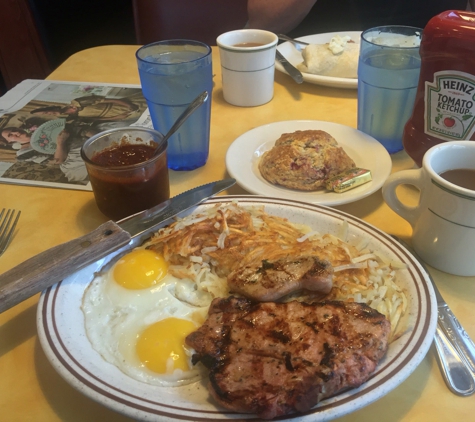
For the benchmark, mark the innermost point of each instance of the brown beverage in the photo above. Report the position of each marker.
(248, 44)
(465, 178)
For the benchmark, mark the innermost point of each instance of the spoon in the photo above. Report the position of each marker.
(286, 38)
(197, 102)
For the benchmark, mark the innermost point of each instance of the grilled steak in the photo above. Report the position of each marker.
(271, 280)
(275, 358)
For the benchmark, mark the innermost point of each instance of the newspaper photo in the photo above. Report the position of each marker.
(43, 125)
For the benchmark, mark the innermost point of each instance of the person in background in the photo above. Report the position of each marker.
(298, 18)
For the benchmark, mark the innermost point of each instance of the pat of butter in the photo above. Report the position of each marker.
(349, 179)
(337, 44)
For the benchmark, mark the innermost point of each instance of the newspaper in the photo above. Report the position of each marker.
(43, 125)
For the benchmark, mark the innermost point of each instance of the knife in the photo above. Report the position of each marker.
(52, 265)
(455, 349)
(289, 67)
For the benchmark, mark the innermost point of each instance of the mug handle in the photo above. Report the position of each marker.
(405, 177)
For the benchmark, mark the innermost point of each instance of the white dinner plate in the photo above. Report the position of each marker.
(243, 156)
(62, 334)
(293, 54)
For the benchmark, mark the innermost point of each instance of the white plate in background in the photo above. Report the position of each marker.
(244, 153)
(293, 54)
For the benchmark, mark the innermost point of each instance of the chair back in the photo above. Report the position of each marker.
(201, 20)
(22, 52)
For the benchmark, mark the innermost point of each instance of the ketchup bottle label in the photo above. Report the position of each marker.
(450, 105)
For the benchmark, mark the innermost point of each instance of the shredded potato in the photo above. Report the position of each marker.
(206, 247)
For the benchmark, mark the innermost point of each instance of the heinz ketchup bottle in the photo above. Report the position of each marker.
(444, 108)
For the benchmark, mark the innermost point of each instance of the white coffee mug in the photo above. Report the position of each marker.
(247, 66)
(443, 222)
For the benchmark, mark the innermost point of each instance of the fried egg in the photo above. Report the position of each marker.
(135, 321)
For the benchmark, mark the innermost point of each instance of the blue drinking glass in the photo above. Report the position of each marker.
(172, 74)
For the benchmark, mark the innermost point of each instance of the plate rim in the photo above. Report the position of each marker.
(325, 411)
(343, 83)
(257, 185)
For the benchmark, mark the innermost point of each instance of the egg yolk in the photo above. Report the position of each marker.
(140, 269)
(161, 346)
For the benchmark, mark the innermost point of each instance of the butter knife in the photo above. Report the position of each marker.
(52, 265)
(455, 349)
(289, 67)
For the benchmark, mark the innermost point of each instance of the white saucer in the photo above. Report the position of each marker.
(244, 153)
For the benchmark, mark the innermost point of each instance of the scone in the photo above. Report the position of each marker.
(304, 160)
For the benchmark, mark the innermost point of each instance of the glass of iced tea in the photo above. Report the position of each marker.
(127, 169)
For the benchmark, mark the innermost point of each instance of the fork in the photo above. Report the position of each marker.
(7, 228)
(292, 40)
(455, 349)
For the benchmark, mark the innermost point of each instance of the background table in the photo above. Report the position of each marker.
(30, 389)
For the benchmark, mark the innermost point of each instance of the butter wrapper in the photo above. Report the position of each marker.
(349, 179)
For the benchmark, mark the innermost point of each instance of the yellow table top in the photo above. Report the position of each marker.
(30, 387)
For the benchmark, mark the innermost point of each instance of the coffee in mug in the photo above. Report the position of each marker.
(443, 222)
(464, 178)
(247, 66)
